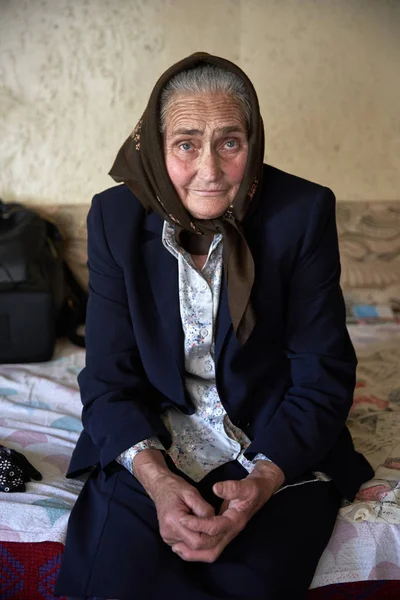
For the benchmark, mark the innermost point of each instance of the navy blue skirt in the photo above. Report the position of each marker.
(114, 549)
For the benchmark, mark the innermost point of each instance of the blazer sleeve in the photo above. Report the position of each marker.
(120, 406)
(323, 363)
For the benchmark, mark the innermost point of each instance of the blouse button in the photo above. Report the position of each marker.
(204, 332)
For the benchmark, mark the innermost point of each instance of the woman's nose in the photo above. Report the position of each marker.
(209, 168)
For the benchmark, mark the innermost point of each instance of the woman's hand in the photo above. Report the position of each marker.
(175, 499)
(242, 499)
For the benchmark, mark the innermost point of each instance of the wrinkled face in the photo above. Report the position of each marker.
(205, 146)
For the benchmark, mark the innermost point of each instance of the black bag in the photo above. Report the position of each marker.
(39, 297)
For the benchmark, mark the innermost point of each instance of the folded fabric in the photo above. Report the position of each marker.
(15, 470)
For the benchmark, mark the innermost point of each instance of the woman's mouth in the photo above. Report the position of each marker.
(209, 192)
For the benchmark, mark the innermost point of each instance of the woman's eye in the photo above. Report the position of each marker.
(231, 144)
(185, 146)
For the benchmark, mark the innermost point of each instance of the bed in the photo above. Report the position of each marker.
(40, 416)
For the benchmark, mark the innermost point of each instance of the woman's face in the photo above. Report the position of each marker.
(205, 146)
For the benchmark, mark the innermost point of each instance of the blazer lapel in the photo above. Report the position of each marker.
(224, 322)
(162, 271)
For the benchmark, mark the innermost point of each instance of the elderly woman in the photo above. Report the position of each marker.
(219, 371)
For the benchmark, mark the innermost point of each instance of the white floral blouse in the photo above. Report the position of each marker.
(207, 439)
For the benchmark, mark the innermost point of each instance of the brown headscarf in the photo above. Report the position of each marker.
(140, 164)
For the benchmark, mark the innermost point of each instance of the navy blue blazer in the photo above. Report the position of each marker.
(290, 387)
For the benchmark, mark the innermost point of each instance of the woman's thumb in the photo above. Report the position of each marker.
(230, 490)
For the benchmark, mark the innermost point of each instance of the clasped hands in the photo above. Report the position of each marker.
(189, 524)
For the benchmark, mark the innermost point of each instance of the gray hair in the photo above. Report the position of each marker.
(205, 79)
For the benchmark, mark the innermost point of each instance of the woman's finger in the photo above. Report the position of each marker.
(186, 553)
(197, 540)
(178, 532)
(215, 525)
(207, 556)
(197, 504)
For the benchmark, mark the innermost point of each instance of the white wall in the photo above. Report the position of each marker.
(75, 76)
